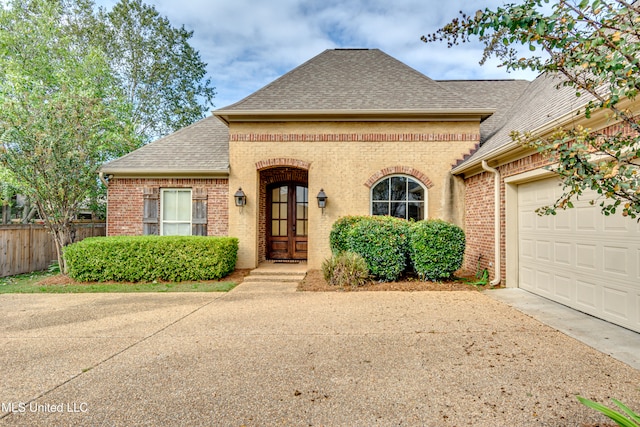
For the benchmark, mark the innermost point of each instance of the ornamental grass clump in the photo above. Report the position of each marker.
(436, 249)
(345, 269)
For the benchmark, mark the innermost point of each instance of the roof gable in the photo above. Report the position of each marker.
(354, 81)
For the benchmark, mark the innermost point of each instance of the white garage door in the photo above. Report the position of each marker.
(579, 257)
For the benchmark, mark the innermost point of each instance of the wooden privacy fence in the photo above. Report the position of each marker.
(30, 247)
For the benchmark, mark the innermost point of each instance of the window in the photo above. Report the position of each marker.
(400, 196)
(176, 212)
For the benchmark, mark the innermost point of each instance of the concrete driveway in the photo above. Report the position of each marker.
(258, 356)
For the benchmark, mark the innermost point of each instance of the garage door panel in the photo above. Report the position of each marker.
(586, 295)
(544, 282)
(562, 253)
(615, 260)
(615, 302)
(585, 220)
(543, 250)
(579, 257)
(586, 256)
(563, 288)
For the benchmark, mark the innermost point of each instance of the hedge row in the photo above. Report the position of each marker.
(149, 258)
(434, 249)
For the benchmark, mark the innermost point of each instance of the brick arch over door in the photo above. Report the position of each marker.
(282, 162)
(404, 170)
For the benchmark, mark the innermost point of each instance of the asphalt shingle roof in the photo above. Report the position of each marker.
(498, 94)
(354, 79)
(346, 80)
(543, 101)
(200, 147)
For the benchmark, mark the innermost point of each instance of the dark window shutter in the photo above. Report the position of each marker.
(150, 218)
(199, 212)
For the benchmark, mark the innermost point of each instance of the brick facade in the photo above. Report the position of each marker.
(125, 203)
(345, 159)
(479, 214)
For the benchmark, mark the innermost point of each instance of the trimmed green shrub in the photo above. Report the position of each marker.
(436, 248)
(148, 258)
(340, 230)
(345, 269)
(382, 242)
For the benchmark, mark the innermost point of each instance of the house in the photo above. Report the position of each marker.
(377, 137)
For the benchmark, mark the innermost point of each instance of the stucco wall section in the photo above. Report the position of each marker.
(125, 203)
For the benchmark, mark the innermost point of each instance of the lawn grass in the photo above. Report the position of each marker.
(36, 283)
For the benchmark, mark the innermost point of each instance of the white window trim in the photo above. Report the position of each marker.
(426, 193)
(162, 220)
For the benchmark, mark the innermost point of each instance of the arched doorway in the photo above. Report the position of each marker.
(287, 220)
(284, 214)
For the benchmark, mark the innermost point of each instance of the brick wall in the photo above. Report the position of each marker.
(479, 214)
(125, 203)
(344, 159)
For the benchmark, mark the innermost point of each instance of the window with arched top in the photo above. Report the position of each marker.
(399, 195)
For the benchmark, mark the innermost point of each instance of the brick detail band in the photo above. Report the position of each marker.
(354, 137)
(405, 170)
(274, 163)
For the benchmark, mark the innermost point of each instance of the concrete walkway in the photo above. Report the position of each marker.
(618, 342)
(261, 356)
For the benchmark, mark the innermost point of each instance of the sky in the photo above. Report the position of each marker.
(249, 43)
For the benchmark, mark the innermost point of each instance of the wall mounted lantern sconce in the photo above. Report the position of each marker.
(240, 198)
(322, 200)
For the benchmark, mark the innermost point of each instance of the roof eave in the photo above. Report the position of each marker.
(513, 149)
(164, 173)
(228, 116)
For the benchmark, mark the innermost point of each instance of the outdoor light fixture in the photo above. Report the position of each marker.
(322, 200)
(240, 197)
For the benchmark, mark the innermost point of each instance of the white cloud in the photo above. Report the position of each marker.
(249, 43)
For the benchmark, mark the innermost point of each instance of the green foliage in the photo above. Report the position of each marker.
(382, 242)
(148, 258)
(436, 249)
(61, 111)
(626, 418)
(593, 46)
(161, 73)
(345, 269)
(340, 230)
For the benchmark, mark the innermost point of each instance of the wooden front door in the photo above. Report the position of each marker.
(287, 221)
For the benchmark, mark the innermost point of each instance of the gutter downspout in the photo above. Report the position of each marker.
(104, 181)
(496, 199)
(106, 185)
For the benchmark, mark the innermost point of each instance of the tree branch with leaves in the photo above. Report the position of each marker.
(594, 46)
(61, 111)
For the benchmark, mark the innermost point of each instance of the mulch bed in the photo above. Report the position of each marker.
(314, 282)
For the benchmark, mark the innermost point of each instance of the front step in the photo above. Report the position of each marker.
(274, 277)
(261, 278)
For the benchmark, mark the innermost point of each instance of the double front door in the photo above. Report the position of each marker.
(287, 220)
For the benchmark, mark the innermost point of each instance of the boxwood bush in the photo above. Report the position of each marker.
(436, 248)
(148, 258)
(380, 240)
(340, 230)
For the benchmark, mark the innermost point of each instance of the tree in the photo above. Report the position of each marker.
(162, 75)
(593, 45)
(62, 113)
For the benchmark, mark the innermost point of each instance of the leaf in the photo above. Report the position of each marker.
(620, 419)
